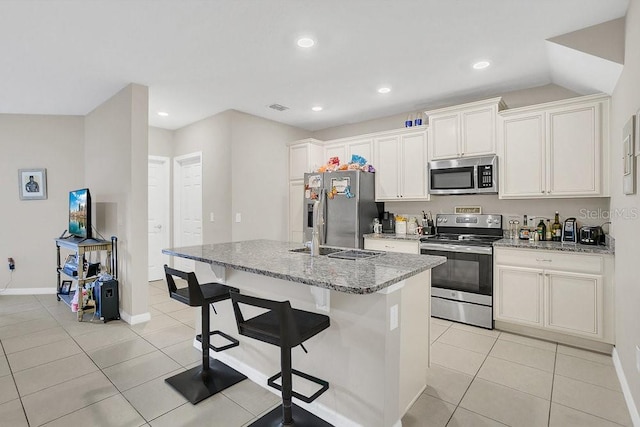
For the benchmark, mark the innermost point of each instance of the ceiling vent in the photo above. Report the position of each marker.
(278, 107)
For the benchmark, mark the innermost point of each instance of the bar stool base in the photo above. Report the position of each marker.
(195, 387)
(301, 418)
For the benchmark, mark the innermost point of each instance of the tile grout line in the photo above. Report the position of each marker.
(14, 383)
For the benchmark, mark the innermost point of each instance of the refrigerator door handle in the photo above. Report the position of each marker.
(323, 228)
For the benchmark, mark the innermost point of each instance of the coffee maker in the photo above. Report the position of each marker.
(388, 222)
(570, 230)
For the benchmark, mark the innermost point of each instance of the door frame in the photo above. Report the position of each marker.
(178, 162)
(165, 163)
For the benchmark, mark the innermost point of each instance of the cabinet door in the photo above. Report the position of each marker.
(298, 161)
(521, 155)
(387, 163)
(413, 172)
(444, 136)
(478, 132)
(574, 141)
(518, 295)
(363, 148)
(296, 219)
(574, 303)
(337, 150)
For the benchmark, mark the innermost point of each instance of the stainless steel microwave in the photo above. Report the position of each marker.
(468, 175)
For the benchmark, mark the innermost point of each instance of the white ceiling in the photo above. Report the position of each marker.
(199, 58)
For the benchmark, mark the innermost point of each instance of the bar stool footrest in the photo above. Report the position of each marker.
(196, 384)
(307, 399)
(301, 418)
(234, 342)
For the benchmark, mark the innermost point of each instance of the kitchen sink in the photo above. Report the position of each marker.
(352, 254)
(355, 254)
(323, 251)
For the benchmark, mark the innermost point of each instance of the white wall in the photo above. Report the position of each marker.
(244, 171)
(116, 157)
(160, 142)
(29, 226)
(625, 102)
(260, 190)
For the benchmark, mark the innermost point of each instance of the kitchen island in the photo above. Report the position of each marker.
(376, 351)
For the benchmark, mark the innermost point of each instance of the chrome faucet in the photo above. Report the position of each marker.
(318, 223)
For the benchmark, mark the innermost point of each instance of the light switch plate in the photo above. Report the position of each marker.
(212, 217)
(238, 217)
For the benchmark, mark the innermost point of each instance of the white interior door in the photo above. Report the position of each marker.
(187, 205)
(159, 207)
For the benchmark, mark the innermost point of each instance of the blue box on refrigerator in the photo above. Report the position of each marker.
(106, 295)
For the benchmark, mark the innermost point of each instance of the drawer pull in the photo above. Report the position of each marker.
(542, 259)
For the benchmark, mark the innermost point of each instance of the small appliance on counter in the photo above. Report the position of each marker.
(592, 235)
(388, 222)
(570, 230)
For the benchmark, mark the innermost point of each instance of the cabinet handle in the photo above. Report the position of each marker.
(542, 191)
(542, 259)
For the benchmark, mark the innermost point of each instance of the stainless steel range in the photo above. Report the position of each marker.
(462, 288)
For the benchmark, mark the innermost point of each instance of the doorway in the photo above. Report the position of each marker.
(187, 205)
(159, 215)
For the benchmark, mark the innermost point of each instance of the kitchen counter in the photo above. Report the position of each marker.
(393, 236)
(557, 246)
(375, 353)
(274, 259)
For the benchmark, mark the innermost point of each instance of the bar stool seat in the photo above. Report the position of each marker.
(213, 376)
(286, 328)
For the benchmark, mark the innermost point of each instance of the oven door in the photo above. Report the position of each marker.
(468, 268)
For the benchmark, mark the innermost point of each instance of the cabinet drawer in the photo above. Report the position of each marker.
(549, 260)
(390, 245)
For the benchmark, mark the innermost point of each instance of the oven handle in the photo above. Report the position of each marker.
(483, 250)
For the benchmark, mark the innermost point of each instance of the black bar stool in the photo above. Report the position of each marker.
(286, 328)
(213, 376)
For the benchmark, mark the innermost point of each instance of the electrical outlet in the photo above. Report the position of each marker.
(393, 317)
(238, 217)
(638, 358)
(12, 264)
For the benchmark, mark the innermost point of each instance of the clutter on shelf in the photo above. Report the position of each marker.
(357, 163)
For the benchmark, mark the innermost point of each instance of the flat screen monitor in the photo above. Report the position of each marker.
(80, 213)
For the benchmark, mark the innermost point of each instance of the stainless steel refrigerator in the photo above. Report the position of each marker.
(349, 207)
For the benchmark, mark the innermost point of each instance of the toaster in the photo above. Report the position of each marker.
(592, 235)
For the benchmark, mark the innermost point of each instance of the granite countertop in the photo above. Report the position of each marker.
(609, 249)
(274, 259)
(393, 236)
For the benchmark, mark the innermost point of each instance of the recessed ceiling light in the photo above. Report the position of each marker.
(384, 90)
(163, 113)
(481, 65)
(306, 42)
(317, 108)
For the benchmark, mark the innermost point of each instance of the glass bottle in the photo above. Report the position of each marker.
(548, 235)
(556, 229)
(542, 230)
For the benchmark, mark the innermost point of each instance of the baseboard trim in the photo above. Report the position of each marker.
(28, 291)
(134, 320)
(626, 391)
(261, 379)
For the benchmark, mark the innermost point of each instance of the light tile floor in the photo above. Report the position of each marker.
(55, 371)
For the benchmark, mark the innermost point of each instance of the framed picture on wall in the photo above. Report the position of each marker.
(32, 184)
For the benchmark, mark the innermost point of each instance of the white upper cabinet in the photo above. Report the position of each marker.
(400, 162)
(464, 130)
(304, 156)
(558, 149)
(345, 148)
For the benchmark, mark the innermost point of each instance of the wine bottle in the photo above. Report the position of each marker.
(556, 229)
(542, 230)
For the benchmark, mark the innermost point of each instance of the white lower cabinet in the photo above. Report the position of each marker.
(559, 292)
(296, 216)
(392, 245)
